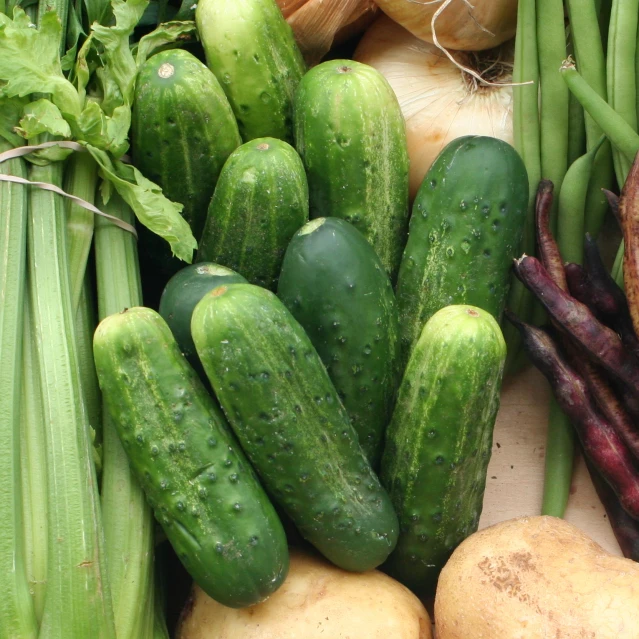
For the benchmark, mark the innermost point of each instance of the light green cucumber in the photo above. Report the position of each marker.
(285, 411)
(439, 441)
(350, 133)
(195, 476)
(260, 201)
(252, 51)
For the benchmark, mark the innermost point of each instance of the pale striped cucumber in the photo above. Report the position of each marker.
(260, 201)
(194, 474)
(287, 415)
(252, 51)
(439, 441)
(350, 133)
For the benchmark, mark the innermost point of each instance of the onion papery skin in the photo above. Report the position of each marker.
(473, 25)
(438, 100)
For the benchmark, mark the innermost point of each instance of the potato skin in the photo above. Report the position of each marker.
(316, 601)
(536, 577)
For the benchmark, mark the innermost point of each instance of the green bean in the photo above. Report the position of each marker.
(617, 268)
(560, 442)
(527, 143)
(622, 81)
(554, 101)
(618, 131)
(576, 130)
(572, 202)
(589, 51)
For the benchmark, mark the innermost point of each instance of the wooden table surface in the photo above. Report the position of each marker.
(515, 474)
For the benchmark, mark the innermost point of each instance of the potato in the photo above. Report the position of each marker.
(317, 601)
(536, 577)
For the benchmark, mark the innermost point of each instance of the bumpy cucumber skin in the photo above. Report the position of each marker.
(287, 415)
(350, 133)
(251, 49)
(260, 201)
(466, 229)
(181, 295)
(439, 441)
(200, 485)
(335, 285)
(183, 130)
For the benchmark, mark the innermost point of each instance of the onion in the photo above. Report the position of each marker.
(318, 24)
(463, 25)
(439, 101)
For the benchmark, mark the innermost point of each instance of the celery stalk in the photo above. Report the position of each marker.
(129, 539)
(81, 176)
(85, 324)
(17, 615)
(34, 466)
(77, 600)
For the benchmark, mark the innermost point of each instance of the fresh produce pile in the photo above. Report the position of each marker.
(263, 268)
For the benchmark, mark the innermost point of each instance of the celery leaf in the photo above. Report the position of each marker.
(150, 206)
(42, 116)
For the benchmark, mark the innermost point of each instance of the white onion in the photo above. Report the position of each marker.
(318, 24)
(463, 25)
(438, 100)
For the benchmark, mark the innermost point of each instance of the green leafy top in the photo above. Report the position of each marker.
(30, 63)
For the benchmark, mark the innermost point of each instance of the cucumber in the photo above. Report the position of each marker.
(260, 201)
(180, 296)
(183, 132)
(335, 286)
(350, 133)
(466, 229)
(439, 441)
(251, 49)
(194, 474)
(287, 415)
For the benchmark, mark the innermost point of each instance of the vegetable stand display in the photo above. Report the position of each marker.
(311, 319)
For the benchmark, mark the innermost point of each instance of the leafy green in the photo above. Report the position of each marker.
(30, 61)
(11, 110)
(95, 110)
(165, 34)
(42, 116)
(156, 212)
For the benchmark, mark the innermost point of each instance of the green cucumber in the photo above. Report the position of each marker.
(183, 132)
(287, 415)
(194, 474)
(466, 229)
(251, 49)
(350, 133)
(261, 199)
(439, 441)
(181, 295)
(336, 287)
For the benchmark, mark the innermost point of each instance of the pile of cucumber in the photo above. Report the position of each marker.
(339, 375)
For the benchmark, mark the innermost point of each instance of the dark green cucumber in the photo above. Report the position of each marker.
(287, 415)
(183, 132)
(181, 295)
(350, 133)
(261, 199)
(466, 229)
(439, 441)
(203, 490)
(251, 49)
(335, 286)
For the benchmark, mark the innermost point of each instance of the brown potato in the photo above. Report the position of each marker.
(317, 601)
(536, 577)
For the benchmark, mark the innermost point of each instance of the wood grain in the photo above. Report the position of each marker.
(516, 471)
